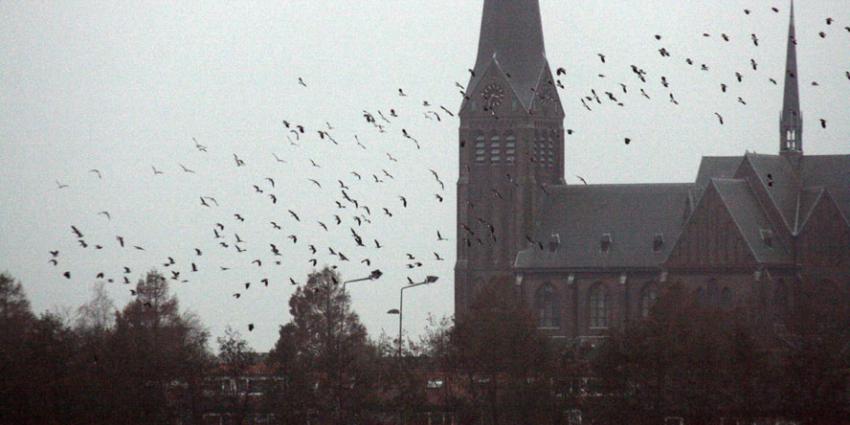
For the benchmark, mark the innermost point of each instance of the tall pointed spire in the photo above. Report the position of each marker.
(512, 35)
(791, 121)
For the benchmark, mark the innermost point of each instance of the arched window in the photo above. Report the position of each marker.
(598, 307)
(713, 296)
(780, 299)
(647, 299)
(495, 148)
(700, 297)
(480, 148)
(726, 298)
(510, 147)
(547, 304)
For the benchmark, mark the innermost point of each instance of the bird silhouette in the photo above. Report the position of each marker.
(198, 146)
(239, 162)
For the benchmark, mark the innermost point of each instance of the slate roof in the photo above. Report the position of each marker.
(751, 220)
(714, 166)
(781, 182)
(832, 173)
(809, 198)
(632, 213)
(512, 35)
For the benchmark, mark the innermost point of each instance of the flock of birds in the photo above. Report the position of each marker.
(355, 219)
(616, 94)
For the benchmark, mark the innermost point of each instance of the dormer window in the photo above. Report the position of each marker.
(605, 243)
(658, 242)
(554, 242)
(767, 237)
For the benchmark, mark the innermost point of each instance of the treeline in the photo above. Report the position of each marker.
(150, 363)
(106, 366)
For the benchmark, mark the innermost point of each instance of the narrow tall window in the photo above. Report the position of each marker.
(648, 299)
(495, 149)
(598, 307)
(713, 294)
(480, 148)
(780, 299)
(547, 304)
(726, 298)
(510, 148)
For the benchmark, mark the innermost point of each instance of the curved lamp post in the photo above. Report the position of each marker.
(400, 310)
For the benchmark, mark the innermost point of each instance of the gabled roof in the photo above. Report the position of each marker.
(512, 34)
(809, 198)
(631, 213)
(715, 166)
(778, 178)
(832, 172)
(751, 220)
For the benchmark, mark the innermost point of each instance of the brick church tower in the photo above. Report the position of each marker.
(511, 143)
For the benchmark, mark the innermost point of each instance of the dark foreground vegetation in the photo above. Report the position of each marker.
(151, 363)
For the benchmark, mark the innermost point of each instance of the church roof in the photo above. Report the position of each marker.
(631, 214)
(831, 172)
(715, 166)
(512, 37)
(751, 220)
(781, 182)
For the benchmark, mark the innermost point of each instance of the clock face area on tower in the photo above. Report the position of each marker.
(492, 96)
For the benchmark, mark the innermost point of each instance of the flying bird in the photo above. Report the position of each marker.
(198, 146)
(239, 162)
(97, 172)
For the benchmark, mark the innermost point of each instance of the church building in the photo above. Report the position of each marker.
(748, 230)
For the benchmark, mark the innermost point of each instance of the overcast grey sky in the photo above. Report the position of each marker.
(123, 86)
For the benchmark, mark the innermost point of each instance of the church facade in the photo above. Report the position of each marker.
(586, 258)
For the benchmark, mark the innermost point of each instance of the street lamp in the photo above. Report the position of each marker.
(376, 274)
(400, 310)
